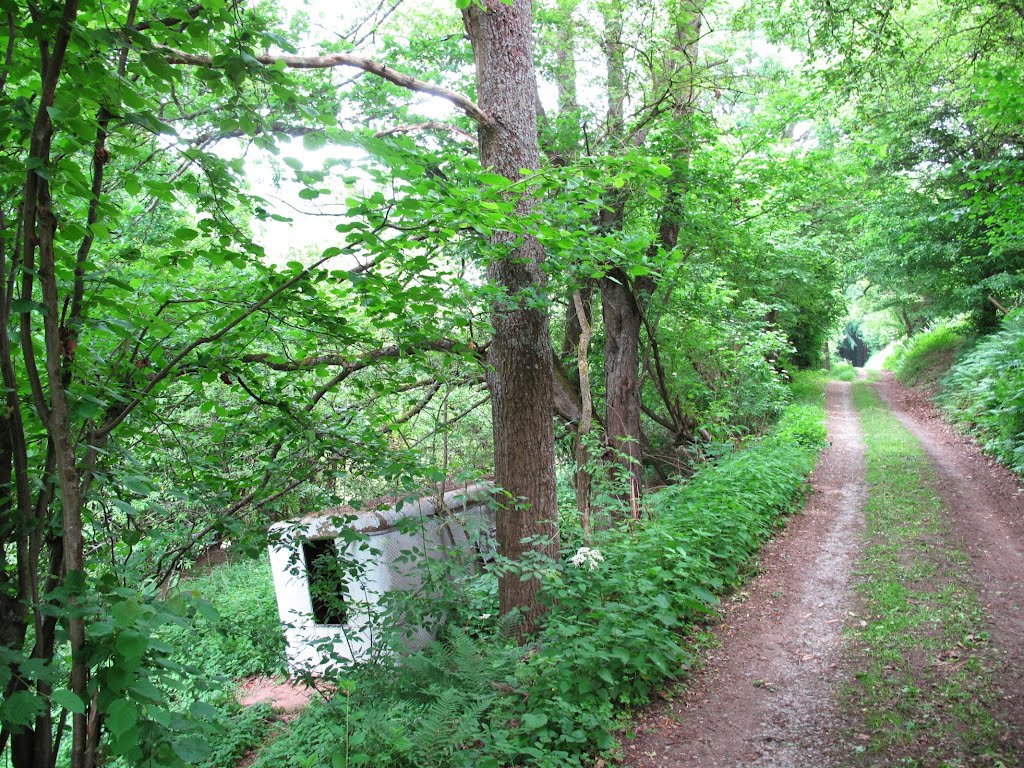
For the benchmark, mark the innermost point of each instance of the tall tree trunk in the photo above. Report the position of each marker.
(622, 322)
(520, 354)
(39, 225)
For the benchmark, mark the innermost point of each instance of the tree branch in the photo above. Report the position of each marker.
(430, 125)
(352, 365)
(332, 60)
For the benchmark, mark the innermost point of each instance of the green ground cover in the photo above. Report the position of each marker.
(923, 359)
(984, 391)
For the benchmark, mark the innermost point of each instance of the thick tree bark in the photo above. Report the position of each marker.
(520, 354)
(622, 322)
(622, 325)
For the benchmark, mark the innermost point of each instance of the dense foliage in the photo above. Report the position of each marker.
(620, 625)
(977, 380)
(242, 636)
(257, 261)
(984, 390)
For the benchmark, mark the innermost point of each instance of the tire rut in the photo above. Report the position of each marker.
(986, 506)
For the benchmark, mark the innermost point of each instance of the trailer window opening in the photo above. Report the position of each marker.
(326, 583)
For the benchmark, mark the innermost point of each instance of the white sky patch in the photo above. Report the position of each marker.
(313, 224)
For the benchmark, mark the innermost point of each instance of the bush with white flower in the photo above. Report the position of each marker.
(586, 556)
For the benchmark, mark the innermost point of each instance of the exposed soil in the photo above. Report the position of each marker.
(765, 696)
(986, 505)
(285, 696)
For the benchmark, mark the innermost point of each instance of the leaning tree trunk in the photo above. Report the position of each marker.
(520, 353)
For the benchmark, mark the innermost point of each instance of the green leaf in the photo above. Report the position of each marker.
(68, 700)
(191, 749)
(122, 715)
(21, 708)
(19, 306)
(207, 611)
(204, 711)
(532, 722)
(132, 644)
(702, 594)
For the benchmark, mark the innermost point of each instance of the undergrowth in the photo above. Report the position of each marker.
(242, 636)
(922, 693)
(923, 359)
(617, 630)
(985, 391)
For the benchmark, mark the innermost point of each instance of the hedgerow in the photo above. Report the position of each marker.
(620, 625)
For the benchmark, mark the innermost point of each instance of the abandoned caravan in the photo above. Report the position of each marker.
(333, 571)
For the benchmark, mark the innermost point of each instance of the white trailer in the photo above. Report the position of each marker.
(331, 616)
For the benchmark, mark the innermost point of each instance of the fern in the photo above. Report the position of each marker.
(985, 392)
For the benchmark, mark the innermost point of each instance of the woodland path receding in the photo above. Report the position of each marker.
(767, 696)
(767, 690)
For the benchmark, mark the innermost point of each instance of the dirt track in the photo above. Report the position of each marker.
(766, 697)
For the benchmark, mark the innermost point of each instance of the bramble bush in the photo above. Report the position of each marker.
(985, 391)
(620, 625)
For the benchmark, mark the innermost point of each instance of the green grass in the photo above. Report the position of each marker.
(925, 358)
(842, 371)
(923, 690)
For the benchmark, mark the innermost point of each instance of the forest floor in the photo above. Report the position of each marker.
(886, 625)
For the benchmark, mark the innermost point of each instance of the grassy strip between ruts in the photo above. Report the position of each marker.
(922, 688)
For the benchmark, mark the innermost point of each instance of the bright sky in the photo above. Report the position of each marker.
(314, 222)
